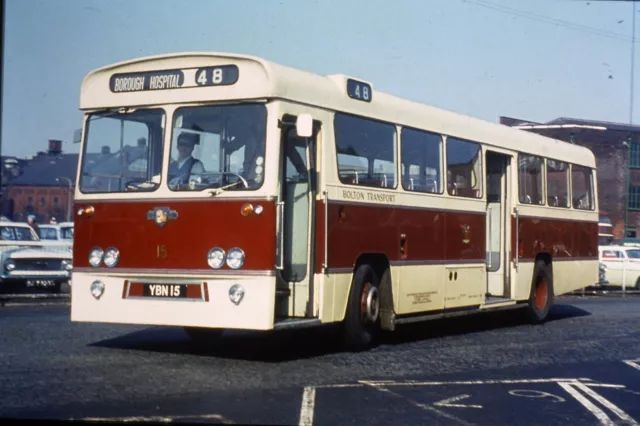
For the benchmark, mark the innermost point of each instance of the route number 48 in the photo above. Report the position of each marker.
(203, 77)
(361, 92)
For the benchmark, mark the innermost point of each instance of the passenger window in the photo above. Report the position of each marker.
(421, 161)
(366, 151)
(464, 168)
(530, 186)
(557, 184)
(582, 187)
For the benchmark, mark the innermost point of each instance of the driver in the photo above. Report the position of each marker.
(186, 164)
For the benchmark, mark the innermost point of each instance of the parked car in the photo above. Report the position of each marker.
(62, 232)
(622, 265)
(28, 261)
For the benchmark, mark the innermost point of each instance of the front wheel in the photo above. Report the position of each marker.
(362, 320)
(541, 296)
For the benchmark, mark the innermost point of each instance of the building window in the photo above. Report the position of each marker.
(530, 185)
(634, 156)
(55, 201)
(43, 202)
(634, 197)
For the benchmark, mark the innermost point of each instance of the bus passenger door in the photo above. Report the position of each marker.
(297, 217)
(498, 225)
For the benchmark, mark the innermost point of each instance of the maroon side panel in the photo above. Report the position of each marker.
(182, 243)
(559, 237)
(429, 236)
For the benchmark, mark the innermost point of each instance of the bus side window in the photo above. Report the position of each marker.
(365, 151)
(421, 156)
(582, 187)
(557, 184)
(464, 168)
(530, 184)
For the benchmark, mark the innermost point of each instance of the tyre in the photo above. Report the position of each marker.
(541, 296)
(362, 319)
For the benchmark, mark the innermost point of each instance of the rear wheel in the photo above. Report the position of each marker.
(362, 320)
(541, 296)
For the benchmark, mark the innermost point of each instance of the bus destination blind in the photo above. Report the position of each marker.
(223, 75)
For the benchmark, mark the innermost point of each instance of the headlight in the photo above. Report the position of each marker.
(95, 257)
(97, 289)
(67, 265)
(235, 258)
(10, 265)
(215, 258)
(111, 257)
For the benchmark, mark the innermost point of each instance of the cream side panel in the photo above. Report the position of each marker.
(341, 287)
(419, 288)
(255, 312)
(524, 276)
(555, 213)
(465, 285)
(569, 276)
(327, 294)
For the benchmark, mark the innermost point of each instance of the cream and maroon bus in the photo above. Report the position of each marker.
(222, 191)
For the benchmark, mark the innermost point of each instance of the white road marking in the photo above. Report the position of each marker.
(163, 419)
(603, 385)
(307, 407)
(593, 409)
(448, 402)
(422, 406)
(470, 382)
(529, 393)
(610, 405)
(634, 363)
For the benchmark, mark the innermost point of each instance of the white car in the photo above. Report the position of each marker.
(25, 260)
(622, 265)
(61, 232)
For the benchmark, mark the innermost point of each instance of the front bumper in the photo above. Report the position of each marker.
(120, 304)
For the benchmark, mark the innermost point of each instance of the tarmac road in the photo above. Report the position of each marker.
(581, 367)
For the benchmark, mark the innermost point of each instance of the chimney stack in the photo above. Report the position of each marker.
(55, 147)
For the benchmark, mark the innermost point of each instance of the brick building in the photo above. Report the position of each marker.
(45, 186)
(612, 144)
(10, 169)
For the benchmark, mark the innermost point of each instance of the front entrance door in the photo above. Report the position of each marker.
(498, 225)
(297, 223)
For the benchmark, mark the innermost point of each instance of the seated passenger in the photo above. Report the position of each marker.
(185, 165)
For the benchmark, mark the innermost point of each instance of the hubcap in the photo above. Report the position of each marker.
(369, 303)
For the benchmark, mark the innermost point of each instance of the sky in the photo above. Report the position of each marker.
(535, 60)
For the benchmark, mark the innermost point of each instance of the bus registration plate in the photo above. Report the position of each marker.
(165, 290)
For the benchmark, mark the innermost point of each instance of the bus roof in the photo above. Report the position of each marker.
(259, 79)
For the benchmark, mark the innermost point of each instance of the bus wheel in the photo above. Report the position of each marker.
(541, 297)
(361, 326)
(203, 336)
